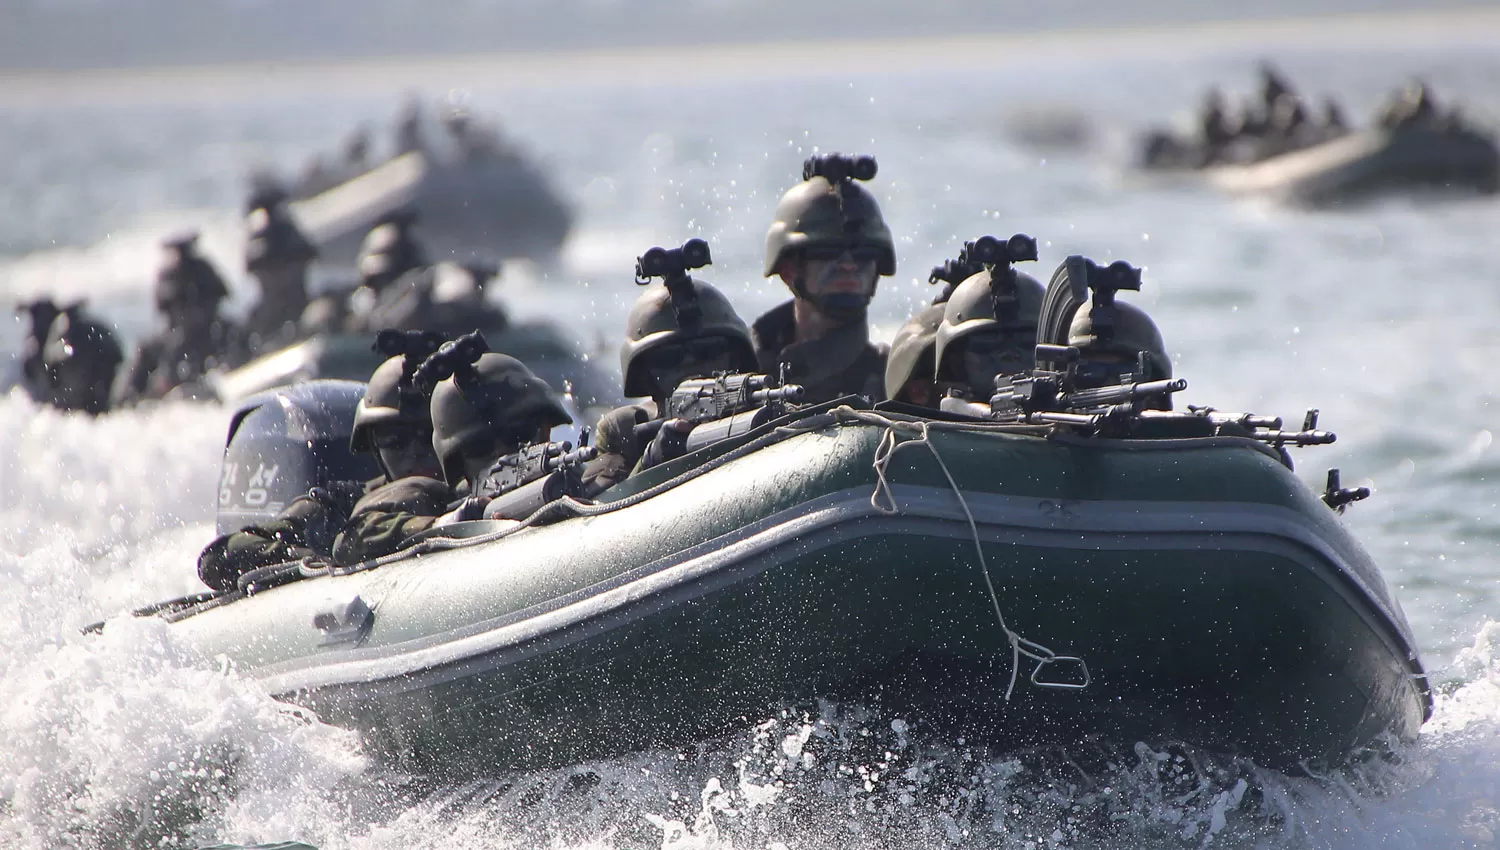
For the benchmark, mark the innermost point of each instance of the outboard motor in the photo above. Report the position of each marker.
(284, 442)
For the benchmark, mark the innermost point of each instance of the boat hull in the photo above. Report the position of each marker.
(1224, 606)
(1351, 168)
(491, 210)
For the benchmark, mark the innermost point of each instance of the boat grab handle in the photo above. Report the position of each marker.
(344, 622)
(1083, 667)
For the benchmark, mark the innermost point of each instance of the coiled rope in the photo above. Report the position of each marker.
(891, 443)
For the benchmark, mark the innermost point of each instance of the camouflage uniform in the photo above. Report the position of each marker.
(819, 214)
(495, 397)
(196, 339)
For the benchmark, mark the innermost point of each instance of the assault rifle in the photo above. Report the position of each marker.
(728, 405)
(519, 484)
(720, 407)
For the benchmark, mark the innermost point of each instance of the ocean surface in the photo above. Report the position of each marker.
(1384, 317)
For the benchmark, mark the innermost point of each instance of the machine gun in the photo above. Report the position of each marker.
(519, 484)
(1053, 397)
(728, 405)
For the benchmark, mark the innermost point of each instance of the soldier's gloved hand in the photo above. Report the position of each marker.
(469, 509)
(670, 442)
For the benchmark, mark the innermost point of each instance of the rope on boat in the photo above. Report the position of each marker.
(919, 431)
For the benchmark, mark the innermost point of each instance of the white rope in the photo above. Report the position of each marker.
(890, 443)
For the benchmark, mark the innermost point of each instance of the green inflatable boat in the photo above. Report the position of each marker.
(1017, 583)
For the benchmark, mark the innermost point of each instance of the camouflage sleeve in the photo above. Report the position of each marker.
(388, 516)
(306, 527)
(373, 534)
(619, 449)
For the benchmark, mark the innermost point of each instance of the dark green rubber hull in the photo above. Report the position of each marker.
(1213, 599)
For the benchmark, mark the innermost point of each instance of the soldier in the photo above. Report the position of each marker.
(41, 312)
(483, 412)
(658, 354)
(409, 127)
(81, 357)
(1214, 126)
(829, 245)
(391, 423)
(389, 251)
(278, 256)
(1112, 356)
(196, 338)
(988, 332)
(909, 368)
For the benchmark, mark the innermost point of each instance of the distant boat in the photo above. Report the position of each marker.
(483, 208)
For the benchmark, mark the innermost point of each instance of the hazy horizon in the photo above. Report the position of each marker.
(54, 35)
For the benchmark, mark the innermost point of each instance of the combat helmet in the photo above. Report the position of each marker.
(829, 208)
(186, 277)
(275, 239)
(390, 250)
(494, 394)
(392, 395)
(681, 309)
(998, 297)
(653, 322)
(911, 350)
(1131, 332)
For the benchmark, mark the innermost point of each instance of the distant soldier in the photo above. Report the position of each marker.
(40, 312)
(278, 255)
(1334, 123)
(830, 245)
(195, 338)
(81, 358)
(409, 127)
(390, 250)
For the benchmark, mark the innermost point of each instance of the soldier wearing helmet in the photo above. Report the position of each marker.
(196, 338)
(1111, 351)
(829, 244)
(277, 255)
(988, 332)
(487, 408)
(389, 251)
(660, 351)
(910, 367)
(390, 423)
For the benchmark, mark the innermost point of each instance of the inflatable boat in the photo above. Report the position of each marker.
(1011, 583)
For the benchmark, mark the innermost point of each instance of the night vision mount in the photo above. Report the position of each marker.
(838, 168)
(672, 266)
(453, 359)
(413, 347)
(998, 258)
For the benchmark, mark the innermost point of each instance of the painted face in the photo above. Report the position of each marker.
(672, 363)
(839, 280)
(991, 354)
(405, 449)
